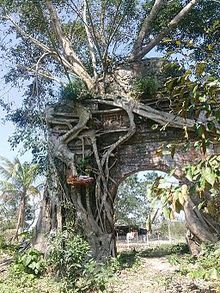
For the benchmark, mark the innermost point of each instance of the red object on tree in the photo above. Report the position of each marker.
(80, 180)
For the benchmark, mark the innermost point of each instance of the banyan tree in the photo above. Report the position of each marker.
(117, 107)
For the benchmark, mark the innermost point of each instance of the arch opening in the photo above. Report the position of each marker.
(139, 217)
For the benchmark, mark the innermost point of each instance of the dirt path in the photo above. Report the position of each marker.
(155, 275)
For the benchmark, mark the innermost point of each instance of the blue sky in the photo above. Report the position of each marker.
(7, 128)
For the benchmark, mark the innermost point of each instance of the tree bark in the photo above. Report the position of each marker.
(51, 218)
(21, 216)
(200, 230)
(81, 213)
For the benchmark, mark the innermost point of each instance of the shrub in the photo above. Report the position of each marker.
(146, 87)
(74, 91)
(206, 266)
(70, 258)
(31, 262)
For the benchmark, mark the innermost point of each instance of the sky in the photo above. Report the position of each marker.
(7, 128)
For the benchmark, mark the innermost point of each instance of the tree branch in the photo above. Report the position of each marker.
(160, 117)
(84, 116)
(146, 25)
(94, 35)
(40, 45)
(102, 22)
(25, 35)
(39, 72)
(139, 52)
(68, 51)
(132, 128)
(90, 40)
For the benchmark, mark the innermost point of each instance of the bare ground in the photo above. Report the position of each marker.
(156, 275)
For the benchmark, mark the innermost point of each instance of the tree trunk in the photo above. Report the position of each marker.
(82, 215)
(50, 218)
(81, 208)
(95, 222)
(200, 229)
(21, 216)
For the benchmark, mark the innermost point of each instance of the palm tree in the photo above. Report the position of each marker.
(18, 186)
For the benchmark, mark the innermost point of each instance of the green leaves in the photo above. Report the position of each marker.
(206, 266)
(145, 87)
(70, 258)
(17, 186)
(30, 262)
(168, 213)
(204, 179)
(200, 68)
(132, 206)
(206, 170)
(209, 175)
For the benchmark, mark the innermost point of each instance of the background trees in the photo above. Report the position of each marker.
(16, 189)
(132, 206)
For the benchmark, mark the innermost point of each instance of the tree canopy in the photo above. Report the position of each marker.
(88, 39)
(48, 44)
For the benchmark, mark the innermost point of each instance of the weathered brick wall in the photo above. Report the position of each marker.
(140, 153)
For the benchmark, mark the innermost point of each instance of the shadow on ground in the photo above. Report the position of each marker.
(128, 259)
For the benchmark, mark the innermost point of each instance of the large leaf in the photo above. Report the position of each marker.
(209, 175)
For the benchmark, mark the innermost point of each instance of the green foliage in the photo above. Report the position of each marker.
(132, 205)
(165, 250)
(16, 186)
(206, 266)
(31, 262)
(194, 33)
(68, 253)
(204, 178)
(172, 70)
(145, 87)
(2, 242)
(14, 283)
(28, 283)
(74, 91)
(205, 174)
(195, 94)
(70, 258)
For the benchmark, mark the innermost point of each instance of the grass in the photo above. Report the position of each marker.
(206, 267)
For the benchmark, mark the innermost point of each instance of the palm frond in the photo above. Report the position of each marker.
(6, 161)
(32, 190)
(5, 173)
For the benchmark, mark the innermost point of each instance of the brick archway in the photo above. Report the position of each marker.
(147, 151)
(108, 142)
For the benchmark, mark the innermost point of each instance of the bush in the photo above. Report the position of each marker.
(74, 91)
(206, 266)
(70, 258)
(146, 87)
(31, 262)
